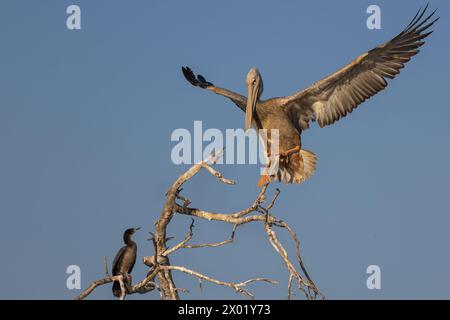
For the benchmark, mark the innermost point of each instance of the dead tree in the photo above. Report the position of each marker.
(159, 276)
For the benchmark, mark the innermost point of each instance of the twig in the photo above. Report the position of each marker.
(214, 244)
(310, 283)
(182, 243)
(277, 193)
(238, 287)
(106, 266)
(217, 174)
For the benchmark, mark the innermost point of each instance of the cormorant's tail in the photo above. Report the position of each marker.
(116, 289)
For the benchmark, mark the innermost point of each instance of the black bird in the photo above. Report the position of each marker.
(124, 261)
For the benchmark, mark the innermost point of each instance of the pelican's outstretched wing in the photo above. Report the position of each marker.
(200, 81)
(338, 94)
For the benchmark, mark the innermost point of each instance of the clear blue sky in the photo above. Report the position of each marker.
(85, 124)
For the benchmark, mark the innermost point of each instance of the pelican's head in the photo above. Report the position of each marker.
(255, 88)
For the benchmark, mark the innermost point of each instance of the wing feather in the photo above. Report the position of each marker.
(335, 96)
(118, 260)
(200, 81)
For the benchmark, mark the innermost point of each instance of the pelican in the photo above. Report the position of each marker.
(326, 101)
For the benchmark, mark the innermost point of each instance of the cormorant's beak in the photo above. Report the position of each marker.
(251, 105)
(136, 229)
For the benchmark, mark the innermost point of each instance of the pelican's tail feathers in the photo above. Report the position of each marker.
(309, 163)
(296, 168)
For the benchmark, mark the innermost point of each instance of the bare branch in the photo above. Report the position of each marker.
(310, 284)
(217, 174)
(222, 216)
(182, 243)
(150, 276)
(159, 276)
(165, 278)
(277, 193)
(97, 283)
(238, 287)
(214, 244)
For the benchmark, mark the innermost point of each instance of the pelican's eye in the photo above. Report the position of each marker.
(254, 81)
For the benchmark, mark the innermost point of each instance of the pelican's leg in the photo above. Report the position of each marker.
(289, 152)
(264, 180)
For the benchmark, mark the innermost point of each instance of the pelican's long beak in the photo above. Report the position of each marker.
(251, 105)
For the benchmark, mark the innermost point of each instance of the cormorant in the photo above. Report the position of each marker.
(124, 260)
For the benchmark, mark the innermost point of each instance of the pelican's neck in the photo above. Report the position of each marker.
(260, 90)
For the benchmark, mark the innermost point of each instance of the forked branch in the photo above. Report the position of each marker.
(159, 276)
